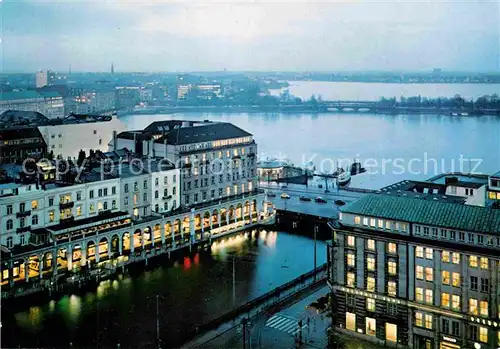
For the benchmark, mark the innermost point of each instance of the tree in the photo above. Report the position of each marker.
(81, 158)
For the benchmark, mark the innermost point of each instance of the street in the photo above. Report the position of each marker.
(295, 191)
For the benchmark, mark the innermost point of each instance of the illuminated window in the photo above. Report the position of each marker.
(380, 224)
(99, 206)
(228, 191)
(391, 247)
(351, 240)
(370, 263)
(371, 326)
(370, 244)
(483, 308)
(428, 297)
(473, 306)
(445, 300)
(484, 263)
(79, 210)
(391, 332)
(34, 204)
(372, 222)
(350, 321)
(91, 208)
(419, 294)
(419, 319)
(51, 216)
(392, 267)
(455, 302)
(351, 259)
(445, 256)
(391, 288)
(351, 279)
(428, 321)
(419, 272)
(357, 220)
(370, 304)
(365, 221)
(455, 257)
(387, 225)
(483, 334)
(473, 261)
(370, 284)
(429, 274)
(446, 277)
(455, 280)
(419, 252)
(429, 253)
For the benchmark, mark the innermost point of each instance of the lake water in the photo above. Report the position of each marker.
(391, 147)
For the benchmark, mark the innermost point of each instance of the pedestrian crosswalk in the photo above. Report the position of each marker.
(284, 323)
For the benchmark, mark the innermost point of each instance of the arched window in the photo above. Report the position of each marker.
(165, 192)
(113, 204)
(34, 220)
(9, 242)
(10, 225)
(157, 208)
(105, 205)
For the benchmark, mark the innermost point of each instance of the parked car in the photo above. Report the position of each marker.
(271, 194)
(339, 202)
(319, 199)
(305, 198)
(285, 196)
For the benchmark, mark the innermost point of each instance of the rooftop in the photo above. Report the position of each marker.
(461, 178)
(15, 119)
(496, 175)
(434, 213)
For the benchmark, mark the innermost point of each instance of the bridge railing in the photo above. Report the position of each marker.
(259, 304)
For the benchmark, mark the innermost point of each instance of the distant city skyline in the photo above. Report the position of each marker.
(180, 36)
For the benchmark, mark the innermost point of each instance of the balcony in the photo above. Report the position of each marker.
(66, 205)
(23, 230)
(23, 214)
(168, 197)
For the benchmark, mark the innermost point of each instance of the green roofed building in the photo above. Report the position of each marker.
(417, 272)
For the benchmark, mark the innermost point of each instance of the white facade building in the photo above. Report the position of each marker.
(85, 133)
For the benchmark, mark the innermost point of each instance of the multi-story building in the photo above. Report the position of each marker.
(26, 210)
(165, 188)
(66, 137)
(91, 99)
(51, 104)
(216, 159)
(469, 189)
(410, 272)
(19, 144)
(493, 192)
(45, 78)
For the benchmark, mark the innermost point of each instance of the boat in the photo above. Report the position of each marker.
(356, 168)
(344, 178)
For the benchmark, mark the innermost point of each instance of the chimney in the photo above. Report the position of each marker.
(115, 141)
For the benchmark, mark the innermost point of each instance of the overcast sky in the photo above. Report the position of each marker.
(292, 36)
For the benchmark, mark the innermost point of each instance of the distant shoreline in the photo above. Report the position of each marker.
(308, 109)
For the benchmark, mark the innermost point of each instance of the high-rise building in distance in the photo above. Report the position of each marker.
(45, 78)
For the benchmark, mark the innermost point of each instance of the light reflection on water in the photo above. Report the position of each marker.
(193, 289)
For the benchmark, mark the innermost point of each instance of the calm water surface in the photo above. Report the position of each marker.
(395, 147)
(192, 290)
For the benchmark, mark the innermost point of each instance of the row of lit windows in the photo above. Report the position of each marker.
(380, 223)
(452, 235)
(370, 245)
(391, 330)
(225, 142)
(493, 195)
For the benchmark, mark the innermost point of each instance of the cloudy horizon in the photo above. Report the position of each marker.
(257, 36)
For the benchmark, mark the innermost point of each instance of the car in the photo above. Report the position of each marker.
(271, 194)
(305, 198)
(339, 202)
(285, 196)
(319, 199)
